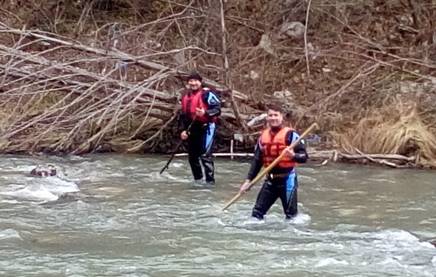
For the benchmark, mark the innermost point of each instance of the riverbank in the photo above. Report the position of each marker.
(106, 76)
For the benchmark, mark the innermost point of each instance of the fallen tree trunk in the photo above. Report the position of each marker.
(391, 160)
(89, 97)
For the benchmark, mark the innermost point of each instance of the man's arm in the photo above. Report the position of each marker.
(256, 163)
(255, 167)
(300, 149)
(184, 121)
(213, 104)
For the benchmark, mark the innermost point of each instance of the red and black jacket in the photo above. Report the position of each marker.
(202, 98)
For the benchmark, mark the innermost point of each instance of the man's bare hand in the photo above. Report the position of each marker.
(245, 186)
(290, 152)
(184, 135)
(200, 112)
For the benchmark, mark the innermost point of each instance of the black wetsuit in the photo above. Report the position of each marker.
(201, 138)
(280, 183)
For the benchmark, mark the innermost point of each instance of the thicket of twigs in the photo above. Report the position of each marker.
(106, 74)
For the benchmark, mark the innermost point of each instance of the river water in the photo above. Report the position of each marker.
(114, 215)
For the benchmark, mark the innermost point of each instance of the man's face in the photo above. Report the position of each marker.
(274, 118)
(194, 84)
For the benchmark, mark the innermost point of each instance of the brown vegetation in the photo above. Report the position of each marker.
(105, 74)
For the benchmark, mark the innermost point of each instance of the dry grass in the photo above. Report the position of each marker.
(395, 129)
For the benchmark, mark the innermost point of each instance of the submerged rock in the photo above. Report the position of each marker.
(44, 171)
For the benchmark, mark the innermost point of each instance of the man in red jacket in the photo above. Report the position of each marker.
(200, 110)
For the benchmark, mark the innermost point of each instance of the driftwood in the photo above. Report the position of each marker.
(113, 82)
(113, 54)
(94, 101)
(226, 155)
(391, 160)
(322, 158)
(329, 154)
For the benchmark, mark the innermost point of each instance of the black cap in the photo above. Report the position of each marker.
(194, 76)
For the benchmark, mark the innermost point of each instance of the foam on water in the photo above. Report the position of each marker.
(330, 262)
(9, 234)
(58, 186)
(300, 219)
(35, 192)
(169, 176)
(177, 164)
(39, 189)
(8, 201)
(270, 222)
(252, 221)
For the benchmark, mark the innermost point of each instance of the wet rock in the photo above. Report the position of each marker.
(292, 29)
(266, 44)
(44, 171)
(69, 197)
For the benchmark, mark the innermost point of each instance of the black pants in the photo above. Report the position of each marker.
(284, 188)
(200, 142)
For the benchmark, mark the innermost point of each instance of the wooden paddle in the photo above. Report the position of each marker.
(269, 167)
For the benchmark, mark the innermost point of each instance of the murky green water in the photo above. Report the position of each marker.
(127, 220)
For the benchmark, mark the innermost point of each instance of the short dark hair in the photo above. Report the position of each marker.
(275, 107)
(194, 76)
